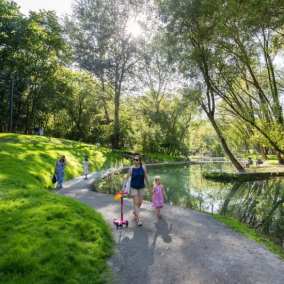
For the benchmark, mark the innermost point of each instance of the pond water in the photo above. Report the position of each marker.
(258, 203)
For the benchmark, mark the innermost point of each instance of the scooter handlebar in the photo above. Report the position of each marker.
(122, 192)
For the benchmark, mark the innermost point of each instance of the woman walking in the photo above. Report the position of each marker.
(138, 174)
(59, 171)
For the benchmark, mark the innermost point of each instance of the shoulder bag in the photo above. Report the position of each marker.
(128, 183)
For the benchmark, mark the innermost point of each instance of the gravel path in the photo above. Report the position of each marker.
(185, 246)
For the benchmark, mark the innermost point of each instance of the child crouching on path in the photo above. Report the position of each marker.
(158, 200)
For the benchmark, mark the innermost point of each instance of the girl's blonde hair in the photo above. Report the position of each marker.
(155, 179)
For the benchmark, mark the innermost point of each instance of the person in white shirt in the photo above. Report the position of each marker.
(86, 168)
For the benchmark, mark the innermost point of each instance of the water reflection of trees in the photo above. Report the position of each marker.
(185, 186)
(259, 204)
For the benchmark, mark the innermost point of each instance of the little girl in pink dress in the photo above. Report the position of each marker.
(158, 200)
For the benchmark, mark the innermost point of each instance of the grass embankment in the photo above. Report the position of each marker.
(45, 237)
(249, 233)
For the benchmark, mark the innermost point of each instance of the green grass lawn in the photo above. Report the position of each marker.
(33, 158)
(45, 237)
(262, 168)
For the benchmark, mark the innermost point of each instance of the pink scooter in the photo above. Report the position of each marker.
(119, 195)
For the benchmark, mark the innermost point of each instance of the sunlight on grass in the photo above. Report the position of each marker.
(27, 155)
(44, 237)
(2, 176)
(267, 169)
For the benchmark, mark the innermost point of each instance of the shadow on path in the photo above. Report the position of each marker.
(163, 230)
(184, 247)
(133, 253)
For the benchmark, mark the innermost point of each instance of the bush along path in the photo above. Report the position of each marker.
(185, 246)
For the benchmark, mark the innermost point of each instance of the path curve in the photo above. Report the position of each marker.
(185, 246)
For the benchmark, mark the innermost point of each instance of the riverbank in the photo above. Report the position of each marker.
(185, 246)
(253, 173)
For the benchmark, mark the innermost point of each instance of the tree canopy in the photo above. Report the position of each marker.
(197, 77)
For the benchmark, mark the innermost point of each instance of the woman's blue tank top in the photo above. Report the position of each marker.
(137, 178)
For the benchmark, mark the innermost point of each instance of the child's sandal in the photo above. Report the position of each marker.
(139, 223)
(159, 216)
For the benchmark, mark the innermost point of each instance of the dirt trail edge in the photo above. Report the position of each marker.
(185, 246)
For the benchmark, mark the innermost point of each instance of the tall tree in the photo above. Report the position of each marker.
(191, 29)
(100, 35)
(32, 48)
(250, 87)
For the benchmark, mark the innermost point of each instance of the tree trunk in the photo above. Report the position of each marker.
(27, 116)
(280, 159)
(224, 144)
(262, 152)
(104, 102)
(116, 122)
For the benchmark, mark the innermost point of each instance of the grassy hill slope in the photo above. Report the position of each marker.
(44, 237)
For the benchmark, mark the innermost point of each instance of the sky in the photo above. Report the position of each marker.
(59, 6)
(64, 6)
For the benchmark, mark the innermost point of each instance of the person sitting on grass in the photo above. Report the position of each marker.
(258, 162)
(249, 162)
